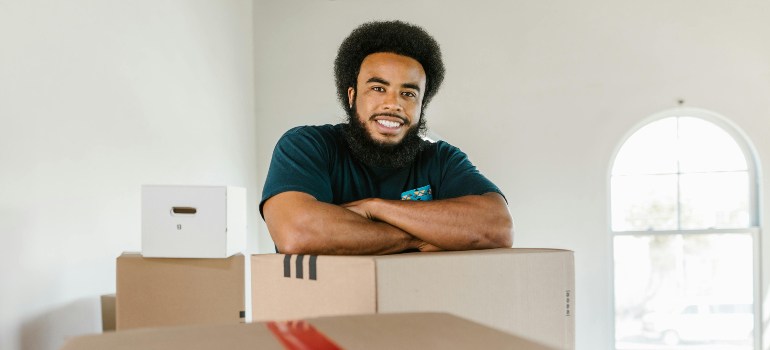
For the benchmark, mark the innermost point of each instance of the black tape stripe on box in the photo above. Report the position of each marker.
(311, 267)
(287, 265)
(299, 265)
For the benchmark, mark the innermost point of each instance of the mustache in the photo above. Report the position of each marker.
(389, 115)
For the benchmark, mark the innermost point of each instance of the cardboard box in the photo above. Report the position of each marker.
(525, 292)
(108, 312)
(423, 331)
(155, 292)
(193, 221)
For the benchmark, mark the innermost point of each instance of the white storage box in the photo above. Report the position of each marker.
(193, 221)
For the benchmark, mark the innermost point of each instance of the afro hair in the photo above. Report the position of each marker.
(395, 37)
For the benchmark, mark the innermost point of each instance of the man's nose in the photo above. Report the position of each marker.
(391, 102)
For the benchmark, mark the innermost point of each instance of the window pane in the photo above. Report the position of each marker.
(650, 150)
(644, 202)
(690, 291)
(714, 200)
(704, 147)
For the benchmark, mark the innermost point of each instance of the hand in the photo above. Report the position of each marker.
(361, 207)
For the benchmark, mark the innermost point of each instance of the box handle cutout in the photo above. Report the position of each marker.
(183, 210)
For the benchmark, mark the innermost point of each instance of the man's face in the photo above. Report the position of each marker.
(388, 96)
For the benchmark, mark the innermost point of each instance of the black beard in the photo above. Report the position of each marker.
(377, 154)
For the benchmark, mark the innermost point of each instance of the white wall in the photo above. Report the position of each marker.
(538, 94)
(96, 99)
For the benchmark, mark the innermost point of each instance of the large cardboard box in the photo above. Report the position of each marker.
(525, 292)
(154, 292)
(365, 332)
(193, 221)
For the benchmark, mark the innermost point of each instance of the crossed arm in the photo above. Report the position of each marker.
(300, 224)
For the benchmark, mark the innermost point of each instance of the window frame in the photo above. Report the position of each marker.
(754, 228)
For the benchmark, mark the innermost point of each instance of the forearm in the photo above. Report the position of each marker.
(468, 222)
(326, 229)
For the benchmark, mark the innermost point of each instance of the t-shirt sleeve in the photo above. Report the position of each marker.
(459, 176)
(300, 163)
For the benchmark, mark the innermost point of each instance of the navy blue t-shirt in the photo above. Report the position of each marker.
(316, 160)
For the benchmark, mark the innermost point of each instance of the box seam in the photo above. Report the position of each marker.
(376, 290)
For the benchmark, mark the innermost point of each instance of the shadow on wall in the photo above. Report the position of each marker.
(51, 329)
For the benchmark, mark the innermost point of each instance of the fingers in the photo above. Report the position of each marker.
(356, 209)
(427, 247)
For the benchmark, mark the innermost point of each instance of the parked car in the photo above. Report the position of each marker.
(701, 321)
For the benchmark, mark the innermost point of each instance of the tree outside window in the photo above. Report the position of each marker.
(683, 225)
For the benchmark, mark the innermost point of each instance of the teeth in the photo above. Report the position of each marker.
(389, 123)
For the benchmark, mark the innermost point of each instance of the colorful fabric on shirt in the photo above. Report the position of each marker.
(418, 194)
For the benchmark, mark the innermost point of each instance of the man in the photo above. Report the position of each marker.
(373, 185)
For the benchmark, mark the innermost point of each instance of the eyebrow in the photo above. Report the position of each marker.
(378, 80)
(386, 83)
(411, 86)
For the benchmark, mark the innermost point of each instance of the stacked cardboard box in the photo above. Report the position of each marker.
(525, 292)
(193, 278)
(154, 292)
(108, 312)
(189, 271)
(423, 331)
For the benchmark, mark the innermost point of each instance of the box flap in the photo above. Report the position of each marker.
(288, 287)
(227, 336)
(417, 331)
(360, 332)
(526, 292)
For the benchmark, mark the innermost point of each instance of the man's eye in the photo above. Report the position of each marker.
(409, 94)
(378, 88)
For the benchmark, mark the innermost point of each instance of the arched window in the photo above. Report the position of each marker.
(684, 229)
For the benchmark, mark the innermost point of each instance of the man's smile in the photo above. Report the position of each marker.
(388, 124)
(388, 127)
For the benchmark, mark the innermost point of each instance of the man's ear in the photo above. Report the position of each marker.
(351, 96)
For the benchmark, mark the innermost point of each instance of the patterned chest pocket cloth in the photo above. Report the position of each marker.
(420, 194)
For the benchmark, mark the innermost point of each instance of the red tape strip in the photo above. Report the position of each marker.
(300, 335)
